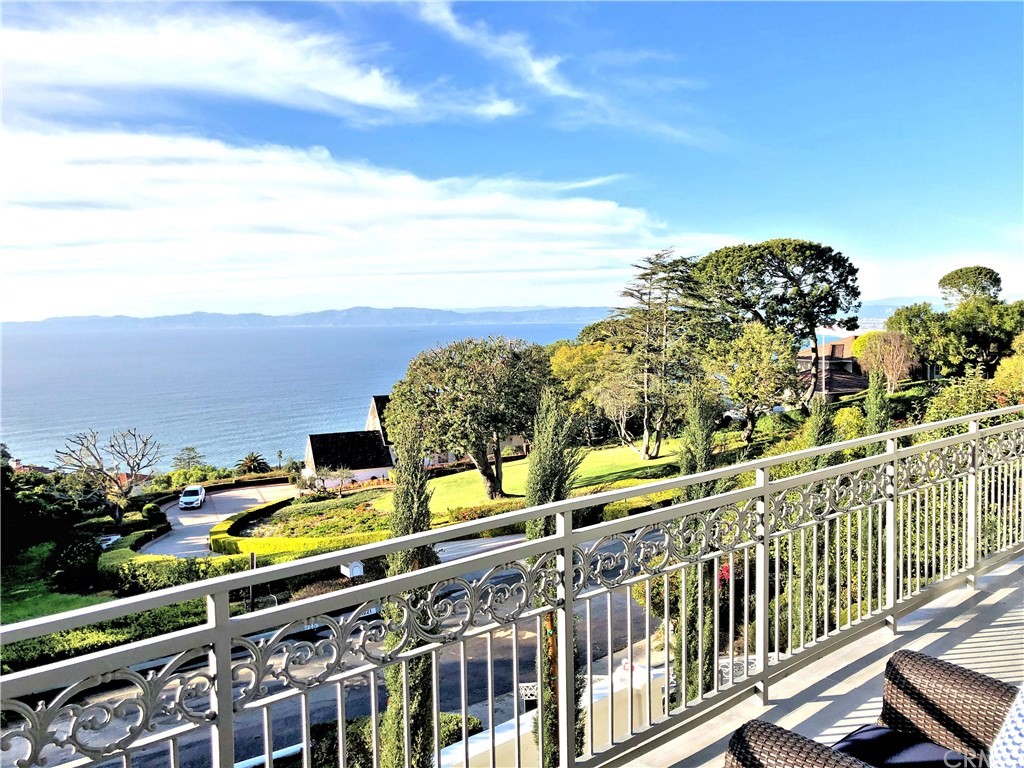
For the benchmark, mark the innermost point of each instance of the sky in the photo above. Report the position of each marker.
(283, 158)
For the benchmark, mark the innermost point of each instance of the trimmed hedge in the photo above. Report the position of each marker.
(465, 514)
(359, 741)
(637, 504)
(148, 573)
(123, 551)
(100, 526)
(60, 646)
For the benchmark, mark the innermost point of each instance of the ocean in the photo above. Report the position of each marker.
(226, 391)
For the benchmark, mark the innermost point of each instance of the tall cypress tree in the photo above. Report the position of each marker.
(821, 430)
(876, 409)
(701, 410)
(554, 459)
(411, 515)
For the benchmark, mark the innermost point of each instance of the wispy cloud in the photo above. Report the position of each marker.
(289, 229)
(87, 60)
(513, 48)
(591, 104)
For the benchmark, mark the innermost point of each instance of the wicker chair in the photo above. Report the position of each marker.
(933, 712)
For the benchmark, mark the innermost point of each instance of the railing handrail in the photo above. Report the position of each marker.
(90, 615)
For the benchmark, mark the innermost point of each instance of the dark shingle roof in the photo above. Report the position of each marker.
(354, 450)
(380, 402)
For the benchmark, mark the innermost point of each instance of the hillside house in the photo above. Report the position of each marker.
(362, 452)
(842, 374)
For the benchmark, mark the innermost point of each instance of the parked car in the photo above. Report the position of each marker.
(192, 497)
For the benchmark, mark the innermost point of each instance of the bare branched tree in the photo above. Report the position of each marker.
(120, 465)
(891, 354)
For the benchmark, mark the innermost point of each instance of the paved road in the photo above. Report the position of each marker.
(190, 528)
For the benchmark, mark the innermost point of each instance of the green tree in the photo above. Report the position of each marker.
(785, 283)
(187, 458)
(554, 459)
(252, 464)
(979, 331)
(821, 429)
(580, 368)
(962, 396)
(755, 370)
(410, 514)
(1009, 376)
(859, 343)
(969, 283)
(663, 297)
(701, 413)
(925, 329)
(876, 410)
(120, 466)
(468, 396)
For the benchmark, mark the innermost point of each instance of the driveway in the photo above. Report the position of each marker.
(190, 528)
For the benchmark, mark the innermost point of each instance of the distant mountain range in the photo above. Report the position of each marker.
(872, 314)
(333, 318)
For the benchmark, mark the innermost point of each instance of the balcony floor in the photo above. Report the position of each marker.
(982, 629)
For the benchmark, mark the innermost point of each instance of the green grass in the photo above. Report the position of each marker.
(333, 517)
(27, 594)
(600, 466)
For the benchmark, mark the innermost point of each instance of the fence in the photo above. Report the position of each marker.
(753, 570)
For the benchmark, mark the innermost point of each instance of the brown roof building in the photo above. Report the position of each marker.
(842, 374)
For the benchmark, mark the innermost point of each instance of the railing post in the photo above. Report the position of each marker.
(892, 565)
(566, 684)
(219, 615)
(973, 478)
(761, 581)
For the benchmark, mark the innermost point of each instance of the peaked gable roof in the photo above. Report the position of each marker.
(353, 450)
(379, 403)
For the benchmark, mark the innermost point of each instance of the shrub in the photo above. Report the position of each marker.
(466, 514)
(637, 504)
(148, 573)
(97, 526)
(124, 550)
(153, 514)
(297, 546)
(359, 741)
(73, 563)
(60, 646)
(313, 498)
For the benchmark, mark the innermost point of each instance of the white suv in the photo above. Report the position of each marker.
(192, 497)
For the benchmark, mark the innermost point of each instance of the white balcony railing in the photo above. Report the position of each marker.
(676, 611)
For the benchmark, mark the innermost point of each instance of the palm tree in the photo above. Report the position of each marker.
(251, 464)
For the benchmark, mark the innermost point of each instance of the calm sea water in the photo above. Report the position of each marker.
(227, 392)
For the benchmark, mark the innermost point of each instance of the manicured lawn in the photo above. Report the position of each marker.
(334, 517)
(599, 467)
(27, 594)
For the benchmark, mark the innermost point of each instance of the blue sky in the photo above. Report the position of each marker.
(290, 157)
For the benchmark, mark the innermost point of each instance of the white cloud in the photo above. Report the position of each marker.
(497, 108)
(75, 61)
(541, 71)
(109, 223)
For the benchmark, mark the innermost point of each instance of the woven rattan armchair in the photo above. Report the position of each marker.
(932, 711)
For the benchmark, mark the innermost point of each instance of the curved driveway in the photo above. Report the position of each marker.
(190, 528)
